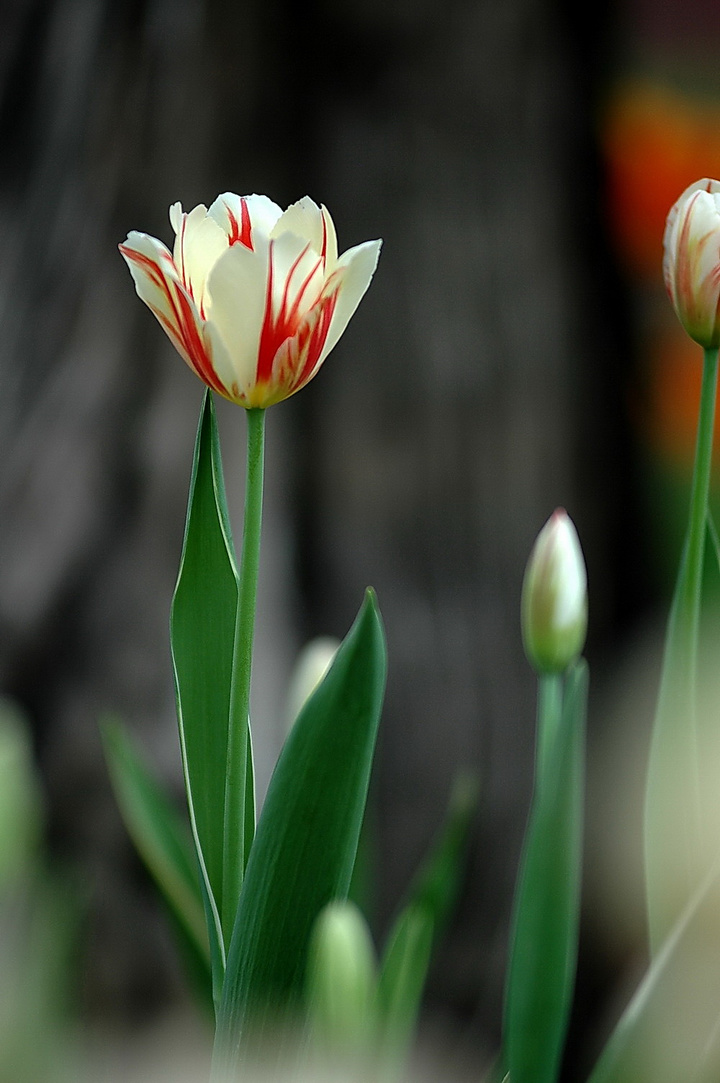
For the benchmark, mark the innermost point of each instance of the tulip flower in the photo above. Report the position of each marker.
(252, 297)
(691, 266)
(554, 597)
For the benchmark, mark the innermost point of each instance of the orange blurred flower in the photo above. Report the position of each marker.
(656, 143)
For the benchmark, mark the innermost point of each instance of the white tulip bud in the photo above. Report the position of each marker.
(554, 597)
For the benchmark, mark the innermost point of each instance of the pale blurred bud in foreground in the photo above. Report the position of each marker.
(341, 981)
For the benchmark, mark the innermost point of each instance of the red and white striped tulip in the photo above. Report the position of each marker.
(252, 297)
(691, 266)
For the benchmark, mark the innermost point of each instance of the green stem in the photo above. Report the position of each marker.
(237, 835)
(673, 840)
(689, 612)
(549, 714)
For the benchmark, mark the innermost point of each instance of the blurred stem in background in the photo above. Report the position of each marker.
(673, 816)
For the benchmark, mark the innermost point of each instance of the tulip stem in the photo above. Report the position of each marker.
(693, 567)
(239, 801)
(549, 714)
(673, 818)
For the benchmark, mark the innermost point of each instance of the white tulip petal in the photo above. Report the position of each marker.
(237, 290)
(704, 228)
(198, 246)
(228, 383)
(569, 577)
(149, 272)
(304, 219)
(297, 277)
(155, 277)
(175, 215)
(355, 268)
(331, 248)
(245, 219)
(158, 285)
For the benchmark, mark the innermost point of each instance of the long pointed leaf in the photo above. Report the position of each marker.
(437, 882)
(402, 978)
(306, 839)
(202, 627)
(406, 958)
(545, 929)
(161, 838)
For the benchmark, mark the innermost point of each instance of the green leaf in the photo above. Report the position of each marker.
(402, 978)
(407, 954)
(437, 882)
(159, 833)
(547, 902)
(669, 1031)
(202, 627)
(306, 839)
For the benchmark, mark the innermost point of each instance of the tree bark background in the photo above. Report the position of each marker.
(478, 387)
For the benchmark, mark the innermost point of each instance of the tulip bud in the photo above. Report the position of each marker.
(312, 664)
(554, 597)
(341, 980)
(691, 266)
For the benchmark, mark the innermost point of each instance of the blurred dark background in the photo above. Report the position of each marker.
(514, 353)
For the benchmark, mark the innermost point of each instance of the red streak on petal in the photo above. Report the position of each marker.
(278, 328)
(318, 337)
(246, 235)
(182, 328)
(291, 315)
(296, 360)
(268, 343)
(240, 232)
(234, 236)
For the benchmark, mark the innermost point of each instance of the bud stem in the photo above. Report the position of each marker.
(546, 907)
(549, 714)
